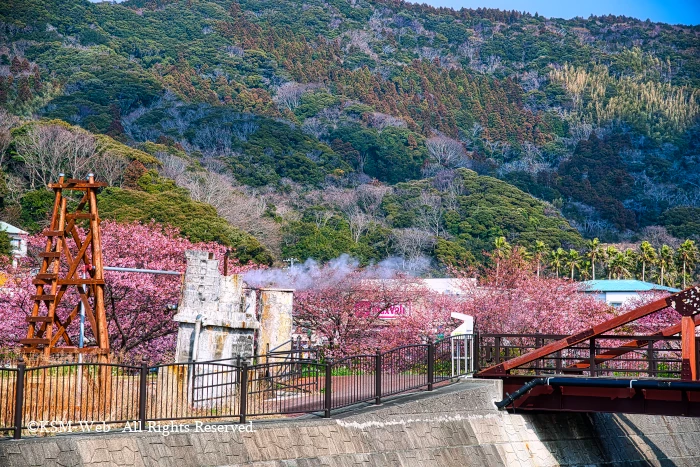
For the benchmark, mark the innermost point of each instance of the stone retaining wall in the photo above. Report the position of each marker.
(454, 426)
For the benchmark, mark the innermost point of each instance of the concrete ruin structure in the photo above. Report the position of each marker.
(215, 319)
(275, 311)
(220, 317)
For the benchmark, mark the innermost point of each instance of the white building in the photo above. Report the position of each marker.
(447, 285)
(18, 239)
(618, 292)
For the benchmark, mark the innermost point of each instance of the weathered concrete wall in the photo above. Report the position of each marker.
(226, 324)
(275, 319)
(457, 425)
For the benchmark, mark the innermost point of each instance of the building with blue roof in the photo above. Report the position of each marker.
(618, 292)
(18, 239)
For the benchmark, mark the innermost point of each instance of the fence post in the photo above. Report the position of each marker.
(498, 350)
(244, 391)
(142, 393)
(19, 398)
(431, 365)
(650, 357)
(476, 350)
(329, 400)
(558, 358)
(378, 378)
(591, 355)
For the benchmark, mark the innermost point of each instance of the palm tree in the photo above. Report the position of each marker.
(573, 261)
(621, 264)
(647, 254)
(538, 250)
(556, 259)
(502, 247)
(584, 271)
(631, 261)
(522, 252)
(665, 260)
(593, 253)
(687, 254)
(609, 255)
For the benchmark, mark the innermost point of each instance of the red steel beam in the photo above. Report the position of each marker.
(689, 364)
(683, 302)
(609, 400)
(630, 346)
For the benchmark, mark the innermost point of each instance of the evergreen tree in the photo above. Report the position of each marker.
(609, 256)
(5, 245)
(24, 91)
(556, 259)
(572, 261)
(665, 261)
(593, 252)
(647, 255)
(538, 250)
(687, 255)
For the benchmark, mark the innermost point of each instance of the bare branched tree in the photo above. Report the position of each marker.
(47, 150)
(430, 213)
(446, 151)
(359, 222)
(208, 187)
(172, 166)
(321, 218)
(289, 94)
(314, 126)
(109, 167)
(370, 197)
(381, 121)
(410, 244)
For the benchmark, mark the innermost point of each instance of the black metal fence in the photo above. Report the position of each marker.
(67, 397)
(296, 382)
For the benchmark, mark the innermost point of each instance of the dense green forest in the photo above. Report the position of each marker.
(376, 128)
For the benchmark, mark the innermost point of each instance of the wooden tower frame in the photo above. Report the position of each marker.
(60, 270)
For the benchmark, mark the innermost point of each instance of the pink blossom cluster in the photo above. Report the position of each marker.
(139, 319)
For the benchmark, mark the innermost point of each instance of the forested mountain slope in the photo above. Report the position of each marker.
(325, 127)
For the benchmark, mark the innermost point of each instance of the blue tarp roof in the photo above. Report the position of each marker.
(624, 286)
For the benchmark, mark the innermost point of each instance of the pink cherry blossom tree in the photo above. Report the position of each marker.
(655, 321)
(514, 300)
(139, 319)
(344, 312)
(428, 318)
(16, 292)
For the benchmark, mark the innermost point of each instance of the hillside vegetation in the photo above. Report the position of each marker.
(376, 128)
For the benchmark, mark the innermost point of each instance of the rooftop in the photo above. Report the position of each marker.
(11, 229)
(624, 286)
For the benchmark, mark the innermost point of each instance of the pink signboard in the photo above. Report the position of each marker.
(393, 312)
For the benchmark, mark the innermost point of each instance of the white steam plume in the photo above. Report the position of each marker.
(307, 275)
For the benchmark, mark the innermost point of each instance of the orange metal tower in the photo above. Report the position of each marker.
(70, 260)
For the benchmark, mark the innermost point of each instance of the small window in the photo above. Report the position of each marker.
(616, 304)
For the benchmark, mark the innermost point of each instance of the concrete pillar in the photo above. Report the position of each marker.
(275, 319)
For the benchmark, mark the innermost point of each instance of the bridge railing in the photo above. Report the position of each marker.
(604, 355)
(70, 397)
(599, 353)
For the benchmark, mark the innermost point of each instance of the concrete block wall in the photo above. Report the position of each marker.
(454, 426)
(227, 326)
